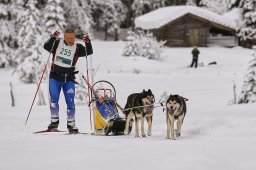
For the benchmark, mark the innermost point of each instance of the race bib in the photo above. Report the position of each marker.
(64, 54)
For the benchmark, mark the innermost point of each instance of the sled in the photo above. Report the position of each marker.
(107, 120)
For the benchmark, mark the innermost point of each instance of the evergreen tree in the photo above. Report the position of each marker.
(107, 15)
(191, 3)
(233, 4)
(131, 46)
(135, 8)
(77, 14)
(29, 38)
(217, 6)
(248, 94)
(143, 44)
(247, 32)
(54, 16)
(127, 22)
(40, 4)
(6, 34)
(144, 6)
(174, 2)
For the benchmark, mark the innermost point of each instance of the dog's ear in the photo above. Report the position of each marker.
(149, 91)
(144, 91)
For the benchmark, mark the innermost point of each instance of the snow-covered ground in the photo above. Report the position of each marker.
(215, 135)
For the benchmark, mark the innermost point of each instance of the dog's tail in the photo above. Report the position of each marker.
(184, 98)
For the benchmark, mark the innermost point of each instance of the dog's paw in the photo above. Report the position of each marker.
(149, 134)
(137, 136)
(143, 135)
(178, 134)
(167, 137)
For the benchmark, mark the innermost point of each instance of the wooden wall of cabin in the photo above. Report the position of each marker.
(184, 32)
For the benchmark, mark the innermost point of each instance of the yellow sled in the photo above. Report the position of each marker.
(105, 113)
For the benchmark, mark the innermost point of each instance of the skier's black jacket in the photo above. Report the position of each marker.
(80, 52)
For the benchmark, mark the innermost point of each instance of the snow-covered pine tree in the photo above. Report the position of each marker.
(144, 6)
(54, 17)
(175, 2)
(107, 15)
(233, 4)
(143, 44)
(247, 32)
(131, 46)
(217, 6)
(7, 31)
(151, 48)
(119, 16)
(248, 94)
(191, 3)
(41, 4)
(127, 9)
(77, 14)
(135, 8)
(29, 37)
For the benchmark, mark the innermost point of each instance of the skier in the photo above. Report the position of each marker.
(195, 53)
(65, 55)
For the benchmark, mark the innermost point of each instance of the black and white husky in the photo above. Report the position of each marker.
(141, 106)
(175, 110)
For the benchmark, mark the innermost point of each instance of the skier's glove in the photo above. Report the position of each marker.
(73, 77)
(56, 34)
(86, 39)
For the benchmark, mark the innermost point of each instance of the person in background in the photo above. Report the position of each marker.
(195, 54)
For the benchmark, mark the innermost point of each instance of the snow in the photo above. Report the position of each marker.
(162, 16)
(215, 135)
(234, 14)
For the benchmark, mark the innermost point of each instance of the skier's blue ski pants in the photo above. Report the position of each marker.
(68, 88)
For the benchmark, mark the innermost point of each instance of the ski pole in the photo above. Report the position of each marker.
(40, 82)
(88, 84)
(89, 97)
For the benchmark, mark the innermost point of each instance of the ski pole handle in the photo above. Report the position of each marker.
(86, 38)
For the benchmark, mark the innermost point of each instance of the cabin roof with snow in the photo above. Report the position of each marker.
(163, 16)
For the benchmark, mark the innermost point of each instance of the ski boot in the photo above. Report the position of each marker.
(72, 126)
(54, 123)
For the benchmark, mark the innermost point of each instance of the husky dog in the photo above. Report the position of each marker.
(141, 106)
(176, 110)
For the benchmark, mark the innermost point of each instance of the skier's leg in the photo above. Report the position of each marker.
(54, 90)
(69, 93)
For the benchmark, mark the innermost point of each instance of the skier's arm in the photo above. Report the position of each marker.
(83, 51)
(48, 45)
